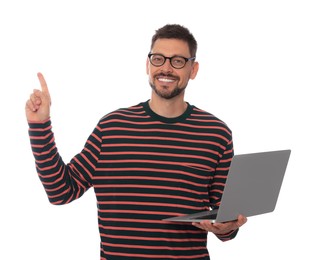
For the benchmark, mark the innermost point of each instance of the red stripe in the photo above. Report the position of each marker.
(49, 159)
(159, 130)
(60, 179)
(40, 129)
(116, 186)
(135, 114)
(52, 167)
(206, 177)
(58, 195)
(43, 145)
(55, 189)
(83, 167)
(204, 120)
(149, 204)
(200, 166)
(44, 152)
(149, 178)
(41, 137)
(150, 195)
(181, 248)
(95, 136)
(154, 238)
(155, 256)
(91, 153)
(161, 154)
(94, 146)
(162, 138)
(145, 212)
(205, 127)
(164, 147)
(152, 230)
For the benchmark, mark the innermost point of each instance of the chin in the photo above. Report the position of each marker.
(164, 91)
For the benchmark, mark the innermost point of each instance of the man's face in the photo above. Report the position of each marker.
(167, 81)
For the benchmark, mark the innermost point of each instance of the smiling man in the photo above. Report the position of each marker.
(170, 66)
(167, 70)
(158, 159)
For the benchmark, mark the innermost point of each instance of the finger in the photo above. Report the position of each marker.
(241, 220)
(199, 226)
(36, 97)
(30, 106)
(36, 93)
(43, 83)
(204, 226)
(207, 224)
(196, 224)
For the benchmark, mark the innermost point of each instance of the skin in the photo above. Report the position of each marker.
(38, 105)
(174, 79)
(167, 99)
(221, 228)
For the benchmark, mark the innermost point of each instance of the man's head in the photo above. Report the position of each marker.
(171, 61)
(178, 32)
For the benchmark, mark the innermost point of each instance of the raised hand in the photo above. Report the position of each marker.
(38, 105)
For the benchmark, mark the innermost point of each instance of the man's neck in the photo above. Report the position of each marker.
(169, 108)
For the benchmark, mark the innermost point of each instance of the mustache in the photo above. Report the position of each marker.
(169, 75)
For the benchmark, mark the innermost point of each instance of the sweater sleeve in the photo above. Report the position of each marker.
(218, 183)
(62, 182)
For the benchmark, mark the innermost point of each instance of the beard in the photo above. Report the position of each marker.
(163, 90)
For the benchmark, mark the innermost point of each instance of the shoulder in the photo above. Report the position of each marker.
(209, 122)
(132, 112)
(206, 117)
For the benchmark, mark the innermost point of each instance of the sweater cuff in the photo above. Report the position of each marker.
(39, 124)
(40, 133)
(228, 236)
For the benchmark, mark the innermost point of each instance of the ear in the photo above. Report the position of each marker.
(194, 70)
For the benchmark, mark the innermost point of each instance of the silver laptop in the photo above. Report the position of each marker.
(252, 187)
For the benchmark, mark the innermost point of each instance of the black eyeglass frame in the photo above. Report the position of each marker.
(170, 59)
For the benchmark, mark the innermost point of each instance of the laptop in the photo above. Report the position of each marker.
(252, 187)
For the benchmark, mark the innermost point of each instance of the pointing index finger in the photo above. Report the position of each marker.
(43, 83)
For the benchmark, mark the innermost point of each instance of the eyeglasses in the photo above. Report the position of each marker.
(178, 62)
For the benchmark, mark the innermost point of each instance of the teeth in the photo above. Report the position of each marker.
(165, 80)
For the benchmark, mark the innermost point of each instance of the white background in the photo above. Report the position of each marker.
(255, 74)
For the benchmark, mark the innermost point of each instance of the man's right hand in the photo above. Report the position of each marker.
(38, 105)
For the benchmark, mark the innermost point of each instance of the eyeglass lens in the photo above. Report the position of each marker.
(175, 61)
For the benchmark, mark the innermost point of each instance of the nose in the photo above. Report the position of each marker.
(167, 66)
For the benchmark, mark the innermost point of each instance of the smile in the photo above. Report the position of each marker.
(167, 80)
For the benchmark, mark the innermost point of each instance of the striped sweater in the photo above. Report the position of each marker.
(143, 168)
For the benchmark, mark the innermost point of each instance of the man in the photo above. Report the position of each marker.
(158, 159)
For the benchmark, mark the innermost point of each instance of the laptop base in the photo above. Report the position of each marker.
(196, 217)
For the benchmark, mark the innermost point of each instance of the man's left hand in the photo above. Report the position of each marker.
(221, 228)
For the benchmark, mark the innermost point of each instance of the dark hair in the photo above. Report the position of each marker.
(175, 31)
